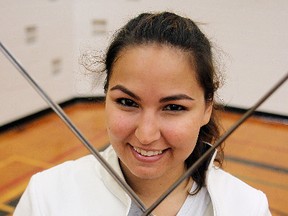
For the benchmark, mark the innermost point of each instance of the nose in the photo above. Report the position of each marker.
(148, 129)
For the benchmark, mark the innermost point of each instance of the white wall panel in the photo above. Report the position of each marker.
(53, 23)
(251, 39)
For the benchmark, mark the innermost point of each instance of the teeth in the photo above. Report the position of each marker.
(147, 153)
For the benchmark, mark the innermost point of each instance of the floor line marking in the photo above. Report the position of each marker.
(257, 164)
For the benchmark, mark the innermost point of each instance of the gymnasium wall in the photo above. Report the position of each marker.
(47, 37)
(40, 34)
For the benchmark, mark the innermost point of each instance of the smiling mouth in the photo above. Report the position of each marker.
(147, 153)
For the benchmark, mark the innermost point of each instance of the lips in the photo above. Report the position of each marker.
(147, 156)
(147, 153)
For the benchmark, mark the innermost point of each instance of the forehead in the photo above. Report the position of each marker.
(154, 66)
(155, 55)
(165, 47)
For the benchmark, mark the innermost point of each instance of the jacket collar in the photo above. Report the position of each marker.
(111, 157)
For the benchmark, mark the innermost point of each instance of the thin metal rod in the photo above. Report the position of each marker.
(58, 110)
(189, 172)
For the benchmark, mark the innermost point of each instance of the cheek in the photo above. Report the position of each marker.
(118, 125)
(183, 134)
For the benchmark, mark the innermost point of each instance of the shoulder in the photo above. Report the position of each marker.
(82, 169)
(230, 195)
(71, 188)
(82, 166)
(67, 179)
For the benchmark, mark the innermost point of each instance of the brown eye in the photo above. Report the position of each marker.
(126, 102)
(174, 107)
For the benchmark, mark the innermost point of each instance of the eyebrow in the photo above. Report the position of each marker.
(175, 97)
(126, 91)
(162, 100)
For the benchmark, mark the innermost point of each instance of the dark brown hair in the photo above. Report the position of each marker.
(173, 30)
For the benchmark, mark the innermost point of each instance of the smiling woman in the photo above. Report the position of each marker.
(155, 125)
(160, 114)
(153, 110)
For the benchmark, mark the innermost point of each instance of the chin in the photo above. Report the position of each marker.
(146, 173)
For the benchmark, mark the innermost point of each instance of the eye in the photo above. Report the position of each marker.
(175, 107)
(126, 102)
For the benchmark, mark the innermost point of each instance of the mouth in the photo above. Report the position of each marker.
(148, 153)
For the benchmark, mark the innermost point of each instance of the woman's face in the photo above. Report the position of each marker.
(154, 110)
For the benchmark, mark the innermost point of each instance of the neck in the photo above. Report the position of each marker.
(149, 190)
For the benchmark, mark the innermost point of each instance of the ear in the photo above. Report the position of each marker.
(207, 113)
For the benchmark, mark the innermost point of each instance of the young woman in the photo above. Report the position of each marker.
(160, 111)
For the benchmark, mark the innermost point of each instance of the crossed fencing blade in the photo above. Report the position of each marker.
(146, 211)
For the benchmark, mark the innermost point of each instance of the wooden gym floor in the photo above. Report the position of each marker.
(257, 152)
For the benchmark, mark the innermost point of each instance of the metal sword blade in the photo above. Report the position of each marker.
(217, 143)
(58, 110)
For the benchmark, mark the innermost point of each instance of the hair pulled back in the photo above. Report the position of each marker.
(170, 29)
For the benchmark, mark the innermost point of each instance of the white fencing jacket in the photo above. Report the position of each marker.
(83, 187)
